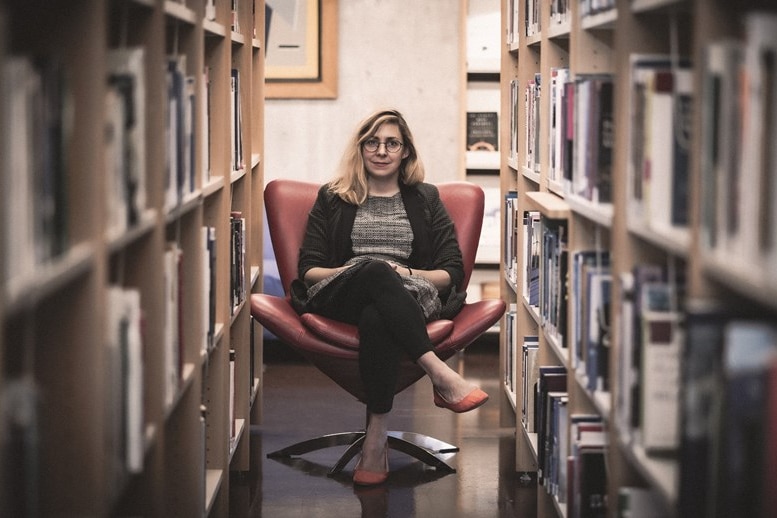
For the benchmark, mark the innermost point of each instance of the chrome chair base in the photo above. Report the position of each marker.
(433, 452)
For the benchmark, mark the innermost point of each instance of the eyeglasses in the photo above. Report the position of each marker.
(373, 144)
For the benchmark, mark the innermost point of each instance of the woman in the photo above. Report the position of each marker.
(380, 252)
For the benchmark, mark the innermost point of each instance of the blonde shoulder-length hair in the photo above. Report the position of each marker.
(350, 182)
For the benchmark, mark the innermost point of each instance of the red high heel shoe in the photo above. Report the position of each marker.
(470, 402)
(362, 477)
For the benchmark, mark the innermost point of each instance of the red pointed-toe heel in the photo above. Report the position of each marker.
(362, 477)
(470, 402)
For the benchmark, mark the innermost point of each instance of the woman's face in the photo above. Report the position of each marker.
(382, 163)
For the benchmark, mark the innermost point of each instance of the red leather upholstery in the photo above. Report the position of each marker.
(333, 346)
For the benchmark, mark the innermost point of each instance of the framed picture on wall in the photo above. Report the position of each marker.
(301, 49)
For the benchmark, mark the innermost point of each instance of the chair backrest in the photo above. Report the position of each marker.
(288, 202)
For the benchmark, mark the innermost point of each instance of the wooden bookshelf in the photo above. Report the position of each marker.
(625, 227)
(480, 89)
(117, 325)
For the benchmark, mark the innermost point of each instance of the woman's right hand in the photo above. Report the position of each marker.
(319, 273)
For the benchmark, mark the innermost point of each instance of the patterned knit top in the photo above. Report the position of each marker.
(382, 228)
(382, 231)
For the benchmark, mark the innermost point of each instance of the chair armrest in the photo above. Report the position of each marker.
(473, 320)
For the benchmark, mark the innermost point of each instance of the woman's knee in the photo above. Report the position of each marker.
(379, 270)
(370, 321)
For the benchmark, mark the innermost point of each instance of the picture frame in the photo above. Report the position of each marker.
(301, 49)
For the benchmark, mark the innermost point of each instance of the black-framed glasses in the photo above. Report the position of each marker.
(373, 144)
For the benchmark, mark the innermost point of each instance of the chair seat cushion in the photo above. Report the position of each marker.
(347, 335)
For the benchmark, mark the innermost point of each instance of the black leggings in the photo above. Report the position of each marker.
(391, 323)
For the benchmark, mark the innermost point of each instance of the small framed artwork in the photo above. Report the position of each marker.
(301, 49)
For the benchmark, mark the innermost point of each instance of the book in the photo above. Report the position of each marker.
(180, 178)
(750, 349)
(568, 140)
(509, 367)
(205, 110)
(514, 118)
(125, 351)
(21, 444)
(209, 288)
(702, 374)
(640, 502)
(559, 77)
(641, 275)
(532, 100)
(533, 23)
(593, 137)
(172, 345)
(510, 236)
(720, 142)
(768, 487)
(236, 121)
(38, 106)
(583, 265)
(117, 202)
(556, 426)
(560, 12)
(585, 431)
(587, 470)
(126, 77)
(659, 141)
(529, 375)
(591, 481)
(553, 279)
(210, 10)
(231, 411)
(755, 242)
(482, 131)
(662, 339)
(237, 260)
(532, 238)
(597, 350)
(550, 379)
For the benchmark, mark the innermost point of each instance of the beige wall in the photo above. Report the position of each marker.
(403, 54)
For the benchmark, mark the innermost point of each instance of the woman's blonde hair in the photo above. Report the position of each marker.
(351, 181)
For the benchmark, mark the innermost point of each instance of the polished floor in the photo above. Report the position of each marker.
(300, 403)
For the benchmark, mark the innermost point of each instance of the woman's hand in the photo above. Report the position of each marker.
(401, 270)
(318, 273)
(440, 278)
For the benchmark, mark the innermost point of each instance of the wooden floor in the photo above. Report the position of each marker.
(300, 403)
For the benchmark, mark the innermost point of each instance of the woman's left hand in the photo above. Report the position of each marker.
(402, 270)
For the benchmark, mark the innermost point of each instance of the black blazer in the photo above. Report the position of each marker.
(327, 241)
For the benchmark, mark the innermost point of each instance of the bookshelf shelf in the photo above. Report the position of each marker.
(744, 279)
(213, 481)
(601, 20)
(187, 380)
(213, 185)
(679, 240)
(559, 30)
(675, 240)
(599, 213)
(214, 29)
(549, 205)
(144, 226)
(25, 292)
(640, 6)
(240, 425)
(662, 473)
(115, 308)
(180, 12)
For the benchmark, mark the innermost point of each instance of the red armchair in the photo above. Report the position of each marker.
(333, 347)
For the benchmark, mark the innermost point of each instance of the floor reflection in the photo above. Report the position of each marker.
(301, 403)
